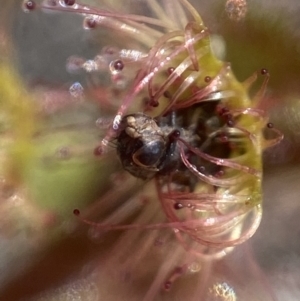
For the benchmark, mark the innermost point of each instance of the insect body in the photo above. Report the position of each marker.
(142, 146)
(198, 134)
(149, 147)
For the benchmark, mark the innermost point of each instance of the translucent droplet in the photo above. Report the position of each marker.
(76, 90)
(67, 3)
(194, 267)
(222, 292)
(134, 55)
(103, 122)
(116, 67)
(236, 9)
(89, 22)
(90, 66)
(28, 6)
(74, 64)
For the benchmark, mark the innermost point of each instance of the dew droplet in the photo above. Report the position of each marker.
(174, 135)
(167, 285)
(236, 9)
(153, 102)
(103, 122)
(74, 64)
(167, 94)
(202, 169)
(220, 174)
(222, 292)
(264, 71)
(207, 79)
(118, 65)
(76, 212)
(76, 90)
(98, 151)
(89, 23)
(170, 70)
(90, 66)
(223, 111)
(224, 138)
(230, 122)
(194, 267)
(28, 6)
(69, 2)
(178, 206)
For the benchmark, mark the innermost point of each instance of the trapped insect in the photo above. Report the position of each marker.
(182, 119)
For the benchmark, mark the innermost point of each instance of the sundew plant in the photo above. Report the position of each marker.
(171, 150)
